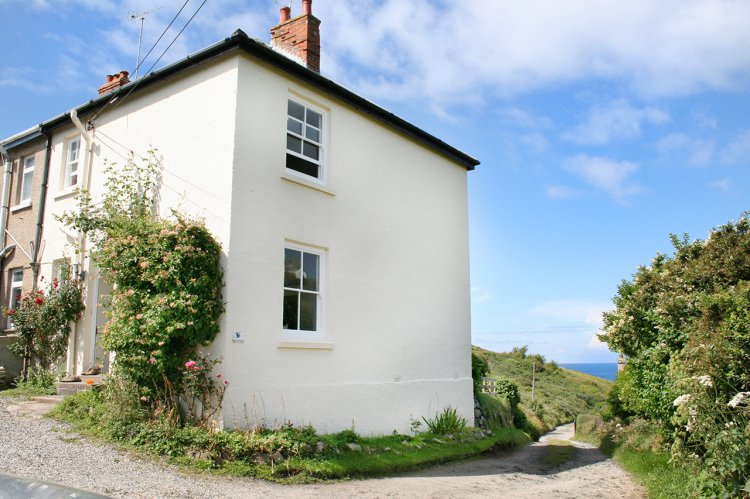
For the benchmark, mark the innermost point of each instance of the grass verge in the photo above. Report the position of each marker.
(26, 392)
(653, 470)
(285, 454)
(639, 449)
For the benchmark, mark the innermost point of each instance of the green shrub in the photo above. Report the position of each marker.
(479, 369)
(498, 412)
(446, 422)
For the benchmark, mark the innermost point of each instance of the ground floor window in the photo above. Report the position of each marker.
(16, 288)
(302, 289)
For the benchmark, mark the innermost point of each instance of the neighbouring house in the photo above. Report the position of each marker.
(344, 229)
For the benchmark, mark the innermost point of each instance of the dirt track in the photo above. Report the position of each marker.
(518, 474)
(44, 450)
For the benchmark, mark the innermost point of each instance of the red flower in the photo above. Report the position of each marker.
(11, 311)
(39, 300)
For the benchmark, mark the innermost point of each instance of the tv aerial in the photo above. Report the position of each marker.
(133, 17)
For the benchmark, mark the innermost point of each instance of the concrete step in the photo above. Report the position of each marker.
(86, 383)
(52, 400)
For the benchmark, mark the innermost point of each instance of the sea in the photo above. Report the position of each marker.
(606, 370)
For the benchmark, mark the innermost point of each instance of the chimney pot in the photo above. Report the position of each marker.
(113, 82)
(299, 38)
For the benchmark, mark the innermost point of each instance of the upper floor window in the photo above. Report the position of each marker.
(301, 290)
(72, 163)
(16, 288)
(26, 179)
(304, 140)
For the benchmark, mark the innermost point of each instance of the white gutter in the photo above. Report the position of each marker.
(6, 190)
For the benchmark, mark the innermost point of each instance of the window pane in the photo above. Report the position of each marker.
(292, 268)
(293, 143)
(308, 311)
(312, 133)
(300, 165)
(313, 118)
(291, 300)
(26, 186)
(310, 150)
(311, 269)
(73, 152)
(294, 126)
(296, 110)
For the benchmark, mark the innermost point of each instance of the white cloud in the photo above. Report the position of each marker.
(480, 295)
(525, 119)
(607, 175)
(560, 192)
(595, 343)
(452, 49)
(615, 120)
(696, 151)
(724, 184)
(572, 311)
(738, 151)
(705, 120)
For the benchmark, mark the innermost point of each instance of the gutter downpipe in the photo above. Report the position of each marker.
(78, 267)
(35, 255)
(4, 212)
(6, 192)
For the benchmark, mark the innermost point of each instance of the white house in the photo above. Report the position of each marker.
(344, 229)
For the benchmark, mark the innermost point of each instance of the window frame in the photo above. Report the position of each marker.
(320, 143)
(16, 292)
(299, 333)
(26, 183)
(68, 173)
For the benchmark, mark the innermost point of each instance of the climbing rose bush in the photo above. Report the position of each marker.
(166, 276)
(42, 320)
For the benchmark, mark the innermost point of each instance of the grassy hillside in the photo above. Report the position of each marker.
(560, 394)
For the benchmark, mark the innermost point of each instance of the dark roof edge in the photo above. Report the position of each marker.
(240, 40)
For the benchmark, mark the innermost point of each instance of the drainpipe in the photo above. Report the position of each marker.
(5, 210)
(35, 254)
(6, 192)
(81, 253)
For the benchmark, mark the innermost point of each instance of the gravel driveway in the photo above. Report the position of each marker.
(46, 450)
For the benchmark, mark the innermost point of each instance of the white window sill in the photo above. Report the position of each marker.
(306, 343)
(68, 191)
(20, 206)
(289, 177)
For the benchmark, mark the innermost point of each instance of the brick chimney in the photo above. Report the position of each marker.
(113, 82)
(299, 38)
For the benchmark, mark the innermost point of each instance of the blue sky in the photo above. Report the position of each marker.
(601, 126)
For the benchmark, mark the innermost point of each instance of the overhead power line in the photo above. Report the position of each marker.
(119, 100)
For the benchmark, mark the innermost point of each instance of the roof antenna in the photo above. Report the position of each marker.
(133, 16)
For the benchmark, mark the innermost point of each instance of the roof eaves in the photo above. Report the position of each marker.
(240, 40)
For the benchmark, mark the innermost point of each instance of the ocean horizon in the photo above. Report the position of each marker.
(604, 370)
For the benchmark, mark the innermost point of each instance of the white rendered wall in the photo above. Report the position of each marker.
(190, 121)
(393, 225)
